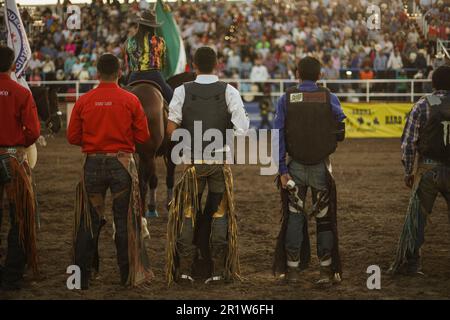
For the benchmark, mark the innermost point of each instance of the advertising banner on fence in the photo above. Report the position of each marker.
(375, 120)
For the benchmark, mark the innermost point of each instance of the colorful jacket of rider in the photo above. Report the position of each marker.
(149, 56)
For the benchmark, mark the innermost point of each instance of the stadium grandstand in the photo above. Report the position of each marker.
(258, 41)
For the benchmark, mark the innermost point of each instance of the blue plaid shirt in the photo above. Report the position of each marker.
(417, 119)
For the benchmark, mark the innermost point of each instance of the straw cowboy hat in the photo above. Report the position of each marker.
(148, 18)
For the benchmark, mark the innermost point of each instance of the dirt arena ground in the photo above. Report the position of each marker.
(371, 207)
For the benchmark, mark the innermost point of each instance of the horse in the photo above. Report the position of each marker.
(159, 144)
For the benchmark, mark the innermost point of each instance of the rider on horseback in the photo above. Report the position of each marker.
(146, 54)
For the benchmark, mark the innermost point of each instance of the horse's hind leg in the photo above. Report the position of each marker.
(148, 178)
(170, 177)
(143, 181)
(153, 184)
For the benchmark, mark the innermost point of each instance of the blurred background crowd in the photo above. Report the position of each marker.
(257, 40)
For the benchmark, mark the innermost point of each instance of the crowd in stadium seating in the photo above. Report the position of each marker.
(258, 40)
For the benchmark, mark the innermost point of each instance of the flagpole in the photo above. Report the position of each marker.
(3, 31)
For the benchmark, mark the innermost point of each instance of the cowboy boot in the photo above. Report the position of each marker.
(185, 271)
(218, 274)
(293, 275)
(326, 271)
(413, 265)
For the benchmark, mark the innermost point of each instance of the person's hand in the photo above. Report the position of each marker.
(409, 180)
(284, 179)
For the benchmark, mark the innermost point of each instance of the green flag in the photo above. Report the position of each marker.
(176, 55)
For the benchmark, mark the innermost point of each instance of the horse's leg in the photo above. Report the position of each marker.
(152, 103)
(170, 177)
(143, 181)
(153, 184)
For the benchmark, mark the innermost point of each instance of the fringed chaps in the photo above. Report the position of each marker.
(20, 193)
(280, 258)
(139, 270)
(408, 237)
(186, 199)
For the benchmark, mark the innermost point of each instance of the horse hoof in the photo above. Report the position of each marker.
(151, 214)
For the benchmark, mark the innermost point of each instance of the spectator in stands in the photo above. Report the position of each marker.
(366, 73)
(76, 68)
(48, 67)
(69, 63)
(380, 64)
(246, 68)
(234, 62)
(395, 61)
(35, 62)
(329, 72)
(36, 75)
(259, 71)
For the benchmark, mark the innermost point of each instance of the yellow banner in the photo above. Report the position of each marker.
(375, 120)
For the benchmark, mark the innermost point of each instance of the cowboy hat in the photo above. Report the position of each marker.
(147, 18)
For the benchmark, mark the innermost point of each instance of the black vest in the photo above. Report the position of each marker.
(434, 137)
(310, 125)
(205, 103)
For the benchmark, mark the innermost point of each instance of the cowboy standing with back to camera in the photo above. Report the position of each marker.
(107, 122)
(309, 119)
(20, 128)
(205, 237)
(426, 159)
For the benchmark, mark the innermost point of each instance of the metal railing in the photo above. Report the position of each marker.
(410, 89)
(444, 47)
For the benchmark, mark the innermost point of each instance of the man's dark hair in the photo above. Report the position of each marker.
(309, 69)
(205, 59)
(108, 66)
(7, 58)
(441, 78)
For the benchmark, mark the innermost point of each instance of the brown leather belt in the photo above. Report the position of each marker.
(109, 154)
(10, 150)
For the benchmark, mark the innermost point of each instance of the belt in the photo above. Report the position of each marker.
(10, 150)
(210, 162)
(110, 154)
(431, 161)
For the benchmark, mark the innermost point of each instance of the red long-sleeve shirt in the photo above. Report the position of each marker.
(108, 119)
(19, 122)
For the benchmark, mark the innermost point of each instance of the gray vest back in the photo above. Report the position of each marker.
(205, 103)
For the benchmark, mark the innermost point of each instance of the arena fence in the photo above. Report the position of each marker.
(374, 108)
(352, 90)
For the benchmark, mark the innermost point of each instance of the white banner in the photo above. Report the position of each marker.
(17, 39)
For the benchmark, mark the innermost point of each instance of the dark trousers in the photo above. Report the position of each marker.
(434, 181)
(156, 76)
(15, 262)
(101, 173)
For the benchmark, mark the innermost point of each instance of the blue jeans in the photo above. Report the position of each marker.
(156, 76)
(434, 181)
(314, 177)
